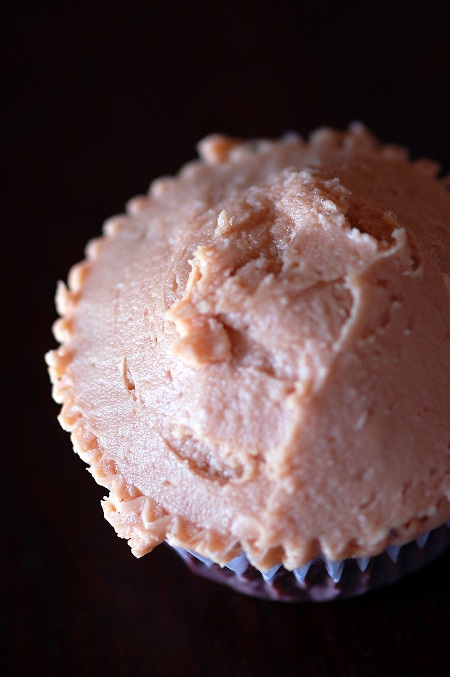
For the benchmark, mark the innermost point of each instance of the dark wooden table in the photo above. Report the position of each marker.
(99, 98)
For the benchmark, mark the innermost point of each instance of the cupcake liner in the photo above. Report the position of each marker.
(322, 579)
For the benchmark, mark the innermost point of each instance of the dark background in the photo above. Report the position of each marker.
(98, 99)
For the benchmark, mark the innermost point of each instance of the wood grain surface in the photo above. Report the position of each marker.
(98, 99)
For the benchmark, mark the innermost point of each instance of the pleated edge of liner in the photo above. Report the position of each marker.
(334, 568)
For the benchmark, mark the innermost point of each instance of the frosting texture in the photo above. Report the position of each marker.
(257, 356)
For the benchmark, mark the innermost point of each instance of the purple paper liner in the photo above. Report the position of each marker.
(318, 584)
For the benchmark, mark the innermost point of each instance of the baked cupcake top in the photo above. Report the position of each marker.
(257, 356)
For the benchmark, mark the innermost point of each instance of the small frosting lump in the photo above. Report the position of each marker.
(256, 357)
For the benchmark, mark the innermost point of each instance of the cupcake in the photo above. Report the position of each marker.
(255, 362)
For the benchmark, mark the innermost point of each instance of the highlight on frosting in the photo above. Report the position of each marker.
(256, 357)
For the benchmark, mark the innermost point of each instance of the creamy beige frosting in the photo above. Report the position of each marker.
(257, 356)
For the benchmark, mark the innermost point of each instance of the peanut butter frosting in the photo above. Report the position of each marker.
(256, 357)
